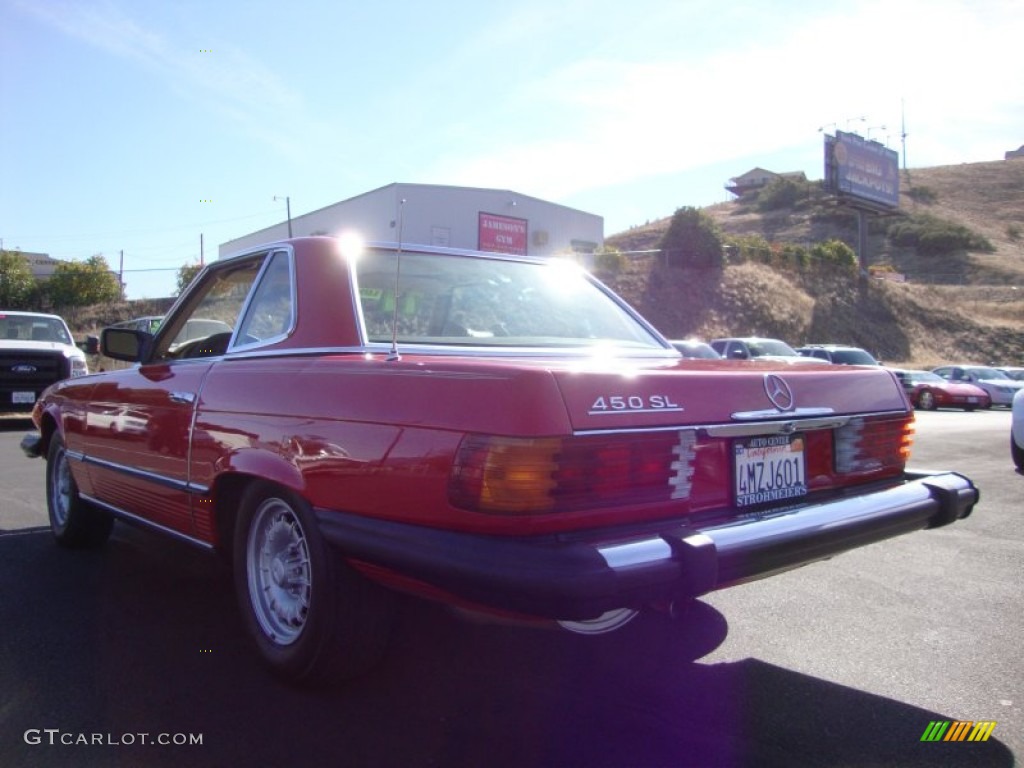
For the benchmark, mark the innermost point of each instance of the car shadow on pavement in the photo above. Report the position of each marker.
(144, 637)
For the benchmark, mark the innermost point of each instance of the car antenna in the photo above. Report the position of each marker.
(393, 355)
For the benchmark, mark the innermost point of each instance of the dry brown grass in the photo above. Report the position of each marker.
(957, 308)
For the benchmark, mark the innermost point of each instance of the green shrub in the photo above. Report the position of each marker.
(743, 248)
(782, 193)
(932, 236)
(609, 260)
(692, 239)
(925, 195)
(834, 253)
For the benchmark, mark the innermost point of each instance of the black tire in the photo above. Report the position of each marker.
(313, 619)
(926, 400)
(75, 523)
(1017, 452)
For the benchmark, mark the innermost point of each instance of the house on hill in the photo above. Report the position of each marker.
(1015, 153)
(757, 178)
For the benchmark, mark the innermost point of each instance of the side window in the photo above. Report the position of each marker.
(204, 326)
(271, 309)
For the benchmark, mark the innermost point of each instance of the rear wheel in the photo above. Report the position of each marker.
(1017, 452)
(75, 523)
(926, 400)
(312, 617)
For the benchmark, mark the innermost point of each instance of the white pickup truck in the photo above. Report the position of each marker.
(36, 350)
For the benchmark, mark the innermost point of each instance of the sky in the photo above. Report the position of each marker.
(151, 131)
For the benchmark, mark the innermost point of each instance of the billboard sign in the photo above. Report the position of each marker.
(864, 170)
(502, 234)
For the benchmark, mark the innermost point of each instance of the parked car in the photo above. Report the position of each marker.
(693, 348)
(753, 347)
(838, 354)
(149, 323)
(1014, 372)
(495, 432)
(1000, 387)
(929, 391)
(1017, 430)
(36, 350)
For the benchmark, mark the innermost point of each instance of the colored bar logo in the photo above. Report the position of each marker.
(958, 730)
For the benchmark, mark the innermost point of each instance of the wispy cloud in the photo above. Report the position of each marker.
(228, 81)
(609, 119)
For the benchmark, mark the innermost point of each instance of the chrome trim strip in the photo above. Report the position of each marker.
(140, 474)
(781, 427)
(118, 512)
(372, 349)
(777, 427)
(633, 553)
(773, 413)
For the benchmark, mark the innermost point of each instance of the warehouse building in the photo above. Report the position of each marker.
(494, 220)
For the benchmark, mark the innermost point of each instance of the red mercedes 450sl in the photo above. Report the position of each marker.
(495, 432)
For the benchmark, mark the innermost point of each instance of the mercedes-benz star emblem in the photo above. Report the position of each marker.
(778, 392)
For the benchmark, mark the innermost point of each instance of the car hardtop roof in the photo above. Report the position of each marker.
(750, 338)
(22, 313)
(386, 246)
(829, 347)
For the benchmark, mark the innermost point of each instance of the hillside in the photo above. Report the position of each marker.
(953, 307)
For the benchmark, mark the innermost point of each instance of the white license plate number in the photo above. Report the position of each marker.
(972, 399)
(769, 469)
(23, 398)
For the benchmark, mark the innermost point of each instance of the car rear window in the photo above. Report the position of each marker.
(423, 298)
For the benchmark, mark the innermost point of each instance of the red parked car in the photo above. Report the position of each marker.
(929, 391)
(491, 431)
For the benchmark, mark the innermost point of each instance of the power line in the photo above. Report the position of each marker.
(127, 232)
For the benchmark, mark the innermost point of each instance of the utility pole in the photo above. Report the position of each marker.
(903, 132)
(288, 206)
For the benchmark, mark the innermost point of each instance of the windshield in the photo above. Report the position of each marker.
(925, 377)
(853, 357)
(988, 373)
(470, 301)
(771, 347)
(33, 328)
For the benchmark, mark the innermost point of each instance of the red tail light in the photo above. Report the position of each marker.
(523, 476)
(874, 444)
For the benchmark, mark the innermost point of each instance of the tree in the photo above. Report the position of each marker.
(80, 284)
(186, 274)
(692, 239)
(17, 285)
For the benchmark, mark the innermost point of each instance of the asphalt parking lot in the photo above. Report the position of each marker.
(844, 662)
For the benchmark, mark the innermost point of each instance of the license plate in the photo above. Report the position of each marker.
(769, 469)
(972, 399)
(23, 398)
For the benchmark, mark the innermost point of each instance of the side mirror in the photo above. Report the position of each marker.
(125, 344)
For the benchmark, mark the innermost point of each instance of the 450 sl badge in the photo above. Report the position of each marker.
(607, 404)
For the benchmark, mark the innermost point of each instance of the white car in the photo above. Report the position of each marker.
(36, 350)
(1000, 387)
(757, 348)
(1017, 431)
